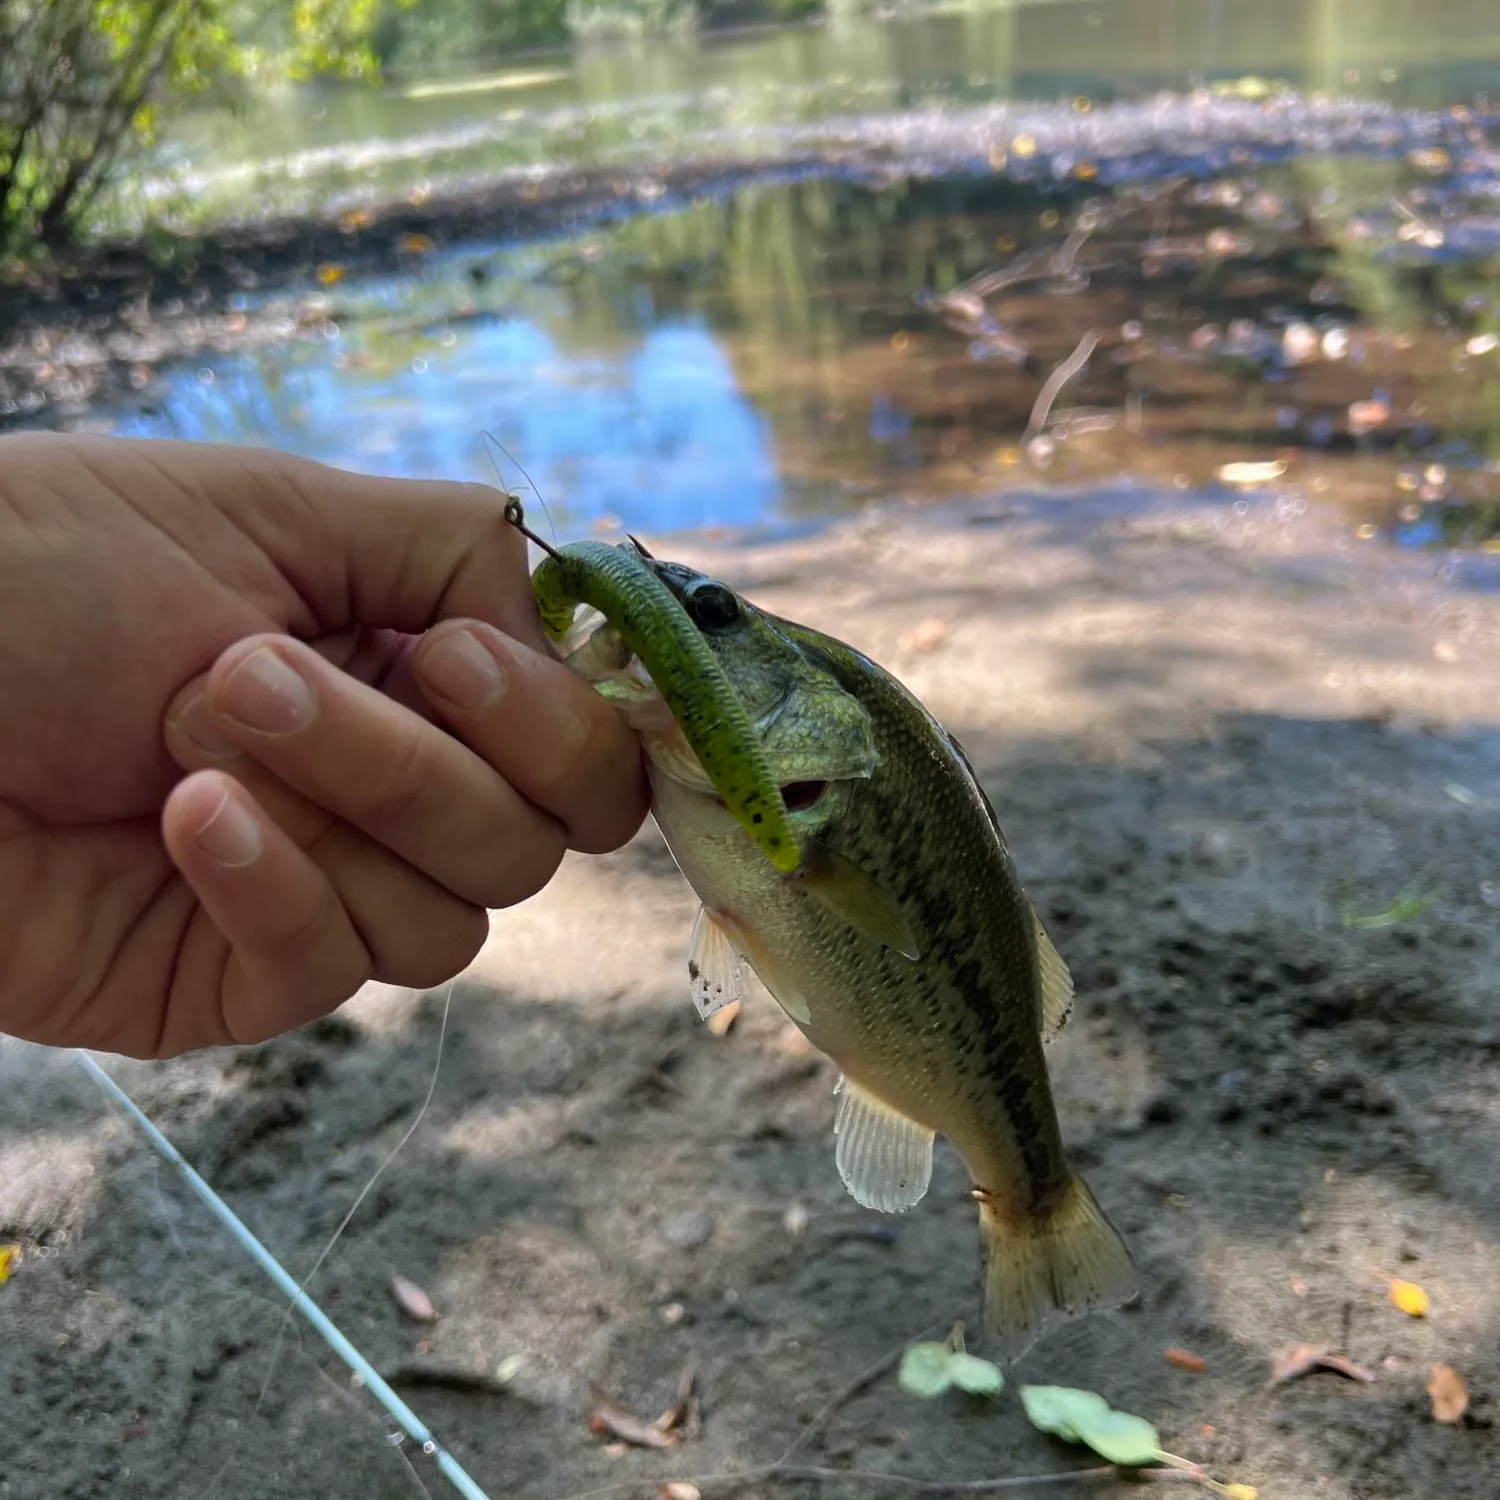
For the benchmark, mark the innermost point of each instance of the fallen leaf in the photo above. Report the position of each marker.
(416, 244)
(412, 1300)
(10, 1258)
(925, 635)
(1450, 1396)
(1409, 1297)
(607, 1416)
(723, 1018)
(1306, 1358)
(979, 1377)
(1185, 1361)
(924, 1370)
(678, 1489)
(330, 274)
(683, 1412)
(1086, 1417)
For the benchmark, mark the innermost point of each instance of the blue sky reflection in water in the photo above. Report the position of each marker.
(657, 433)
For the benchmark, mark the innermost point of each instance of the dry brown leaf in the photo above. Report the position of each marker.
(1450, 1396)
(608, 1417)
(1183, 1360)
(412, 1300)
(1306, 1358)
(925, 635)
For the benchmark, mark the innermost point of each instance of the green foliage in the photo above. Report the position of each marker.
(929, 1369)
(1083, 1417)
(80, 80)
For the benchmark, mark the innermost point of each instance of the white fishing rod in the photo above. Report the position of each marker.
(409, 1422)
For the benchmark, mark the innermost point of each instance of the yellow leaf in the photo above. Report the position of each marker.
(330, 275)
(1409, 1297)
(416, 244)
(10, 1255)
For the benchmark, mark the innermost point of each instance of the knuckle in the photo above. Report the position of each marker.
(400, 783)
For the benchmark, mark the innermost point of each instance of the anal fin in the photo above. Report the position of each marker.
(884, 1158)
(716, 972)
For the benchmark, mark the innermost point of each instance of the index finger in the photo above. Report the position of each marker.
(549, 734)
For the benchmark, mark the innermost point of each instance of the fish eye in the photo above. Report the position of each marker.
(711, 605)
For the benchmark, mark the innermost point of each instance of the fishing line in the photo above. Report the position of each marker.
(494, 446)
(298, 1300)
(343, 1223)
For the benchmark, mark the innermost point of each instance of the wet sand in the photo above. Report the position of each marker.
(1212, 739)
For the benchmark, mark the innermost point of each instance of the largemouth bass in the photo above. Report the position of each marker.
(902, 944)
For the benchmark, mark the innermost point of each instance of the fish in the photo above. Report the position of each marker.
(902, 945)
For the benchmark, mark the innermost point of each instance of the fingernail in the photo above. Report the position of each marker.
(462, 669)
(194, 723)
(266, 694)
(230, 837)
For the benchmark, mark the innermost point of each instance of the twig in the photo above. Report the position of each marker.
(840, 1398)
(1057, 380)
(809, 1473)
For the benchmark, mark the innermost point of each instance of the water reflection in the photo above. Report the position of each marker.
(791, 349)
(657, 432)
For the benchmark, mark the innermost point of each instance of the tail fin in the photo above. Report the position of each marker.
(1068, 1259)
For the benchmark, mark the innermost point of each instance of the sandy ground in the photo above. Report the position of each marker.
(1205, 734)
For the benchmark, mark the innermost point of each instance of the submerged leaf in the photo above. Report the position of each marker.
(924, 1370)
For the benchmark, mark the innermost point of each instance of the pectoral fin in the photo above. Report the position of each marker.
(884, 1158)
(1057, 983)
(854, 897)
(716, 972)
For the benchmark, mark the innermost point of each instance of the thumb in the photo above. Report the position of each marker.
(393, 554)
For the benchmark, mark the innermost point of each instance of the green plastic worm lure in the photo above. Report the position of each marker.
(653, 626)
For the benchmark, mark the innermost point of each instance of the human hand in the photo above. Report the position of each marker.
(292, 637)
